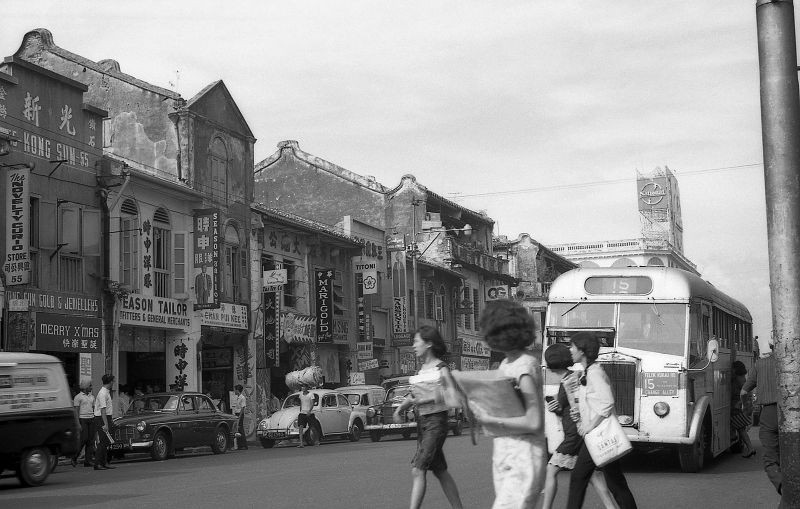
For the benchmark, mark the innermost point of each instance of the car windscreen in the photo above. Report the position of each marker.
(153, 404)
(653, 327)
(398, 393)
(293, 400)
(352, 398)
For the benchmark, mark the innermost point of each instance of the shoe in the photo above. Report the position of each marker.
(104, 467)
(109, 467)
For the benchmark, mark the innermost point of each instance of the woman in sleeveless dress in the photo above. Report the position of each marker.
(431, 412)
(520, 452)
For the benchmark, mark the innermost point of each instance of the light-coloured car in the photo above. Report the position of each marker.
(361, 397)
(334, 419)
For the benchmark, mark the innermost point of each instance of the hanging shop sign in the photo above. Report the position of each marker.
(364, 350)
(370, 364)
(271, 338)
(400, 333)
(40, 300)
(323, 284)
(496, 292)
(341, 331)
(65, 333)
(233, 316)
(467, 363)
(17, 263)
(206, 258)
(366, 270)
(474, 347)
(297, 328)
(150, 311)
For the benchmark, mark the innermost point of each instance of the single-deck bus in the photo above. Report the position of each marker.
(668, 340)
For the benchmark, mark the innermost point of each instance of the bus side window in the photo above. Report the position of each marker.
(695, 335)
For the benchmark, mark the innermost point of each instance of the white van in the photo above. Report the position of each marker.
(37, 419)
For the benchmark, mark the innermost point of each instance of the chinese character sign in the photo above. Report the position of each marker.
(272, 335)
(323, 285)
(206, 258)
(17, 264)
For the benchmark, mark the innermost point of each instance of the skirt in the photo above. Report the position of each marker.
(563, 461)
(739, 420)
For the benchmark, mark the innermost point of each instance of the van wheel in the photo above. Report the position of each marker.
(692, 457)
(220, 444)
(160, 449)
(375, 436)
(34, 466)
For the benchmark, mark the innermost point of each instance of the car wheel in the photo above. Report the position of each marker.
(34, 466)
(220, 444)
(355, 432)
(406, 435)
(267, 443)
(375, 436)
(160, 449)
(314, 435)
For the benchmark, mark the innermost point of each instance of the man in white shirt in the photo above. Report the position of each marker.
(103, 414)
(84, 405)
(238, 410)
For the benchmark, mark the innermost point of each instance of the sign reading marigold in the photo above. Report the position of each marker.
(323, 285)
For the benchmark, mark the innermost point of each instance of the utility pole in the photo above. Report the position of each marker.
(780, 126)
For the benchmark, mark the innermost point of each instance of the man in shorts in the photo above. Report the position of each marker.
(306, 416)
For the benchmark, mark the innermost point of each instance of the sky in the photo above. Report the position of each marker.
(545, 109)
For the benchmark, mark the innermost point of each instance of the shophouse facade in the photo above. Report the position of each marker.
(431, 277)
(535, 267)
(177, 186)
(52, 301)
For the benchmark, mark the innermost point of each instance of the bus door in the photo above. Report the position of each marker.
(720, 384)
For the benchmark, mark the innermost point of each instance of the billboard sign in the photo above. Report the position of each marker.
(206, 258)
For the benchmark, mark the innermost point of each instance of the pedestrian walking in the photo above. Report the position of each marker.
(558, 359)
(763, 378)
(740, 418)
(84, 406)
(240, 405)
(306, 417)
(103, 413)
(519, 451)
(595, 403)
(431, 413)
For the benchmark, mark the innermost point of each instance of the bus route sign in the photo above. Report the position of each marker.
(659, 383)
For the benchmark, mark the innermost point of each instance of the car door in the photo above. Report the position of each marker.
(345, 409)
(206, 420)
(185, 429)
(328, 415)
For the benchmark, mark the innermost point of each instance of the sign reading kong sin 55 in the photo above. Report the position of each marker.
(323, 285)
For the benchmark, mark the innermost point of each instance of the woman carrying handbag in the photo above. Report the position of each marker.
(596, 403)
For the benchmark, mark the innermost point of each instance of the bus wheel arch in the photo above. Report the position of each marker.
(693, 456)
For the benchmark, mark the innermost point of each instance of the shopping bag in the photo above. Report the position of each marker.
(607, 442)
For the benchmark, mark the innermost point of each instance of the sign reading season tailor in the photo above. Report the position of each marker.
(148, 311)
(323, 287)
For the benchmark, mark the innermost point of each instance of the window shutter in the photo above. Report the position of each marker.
(439, 299)
(48, 225)
(179, 262)
(92, 235)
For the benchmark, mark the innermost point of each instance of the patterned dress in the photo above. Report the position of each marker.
(519, 461)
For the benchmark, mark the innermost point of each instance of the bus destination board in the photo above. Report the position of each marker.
(618, 285)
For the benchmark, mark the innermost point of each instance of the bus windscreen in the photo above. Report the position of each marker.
(652, 327)
(581, 314)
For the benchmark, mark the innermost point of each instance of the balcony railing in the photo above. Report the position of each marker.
(70, 273)
(476, 257)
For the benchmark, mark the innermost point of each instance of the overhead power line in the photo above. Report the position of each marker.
(596, 182)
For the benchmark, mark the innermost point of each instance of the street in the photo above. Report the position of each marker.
(341, 474)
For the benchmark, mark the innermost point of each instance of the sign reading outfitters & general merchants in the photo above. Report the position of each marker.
(233, 316)
(17, 264)
(158, 312)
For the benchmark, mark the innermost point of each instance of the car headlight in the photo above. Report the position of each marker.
(371, 412)
(294, 424)
(661, 409)
(141, 426)
(409, 415)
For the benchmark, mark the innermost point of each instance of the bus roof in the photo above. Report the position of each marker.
(668, 284)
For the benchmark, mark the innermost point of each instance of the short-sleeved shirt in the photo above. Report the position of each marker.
(85, 404)
(240, 404)
(103, 400)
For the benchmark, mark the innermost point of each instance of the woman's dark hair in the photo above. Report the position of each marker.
(239, 387)
(506, 326)
(588, 343)
(431, 335)
(739, 369)
(558, 356)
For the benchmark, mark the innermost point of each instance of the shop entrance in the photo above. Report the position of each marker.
(142, 359)
(218, 374)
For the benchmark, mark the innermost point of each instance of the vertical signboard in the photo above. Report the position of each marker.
(206, 258)
(17, 264)
(271, 329)
(400, 334)
(323, 285)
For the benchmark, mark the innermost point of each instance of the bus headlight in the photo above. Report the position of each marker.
(409, 415)
(661, 409)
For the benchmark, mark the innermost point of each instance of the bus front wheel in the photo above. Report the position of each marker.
(692, 457)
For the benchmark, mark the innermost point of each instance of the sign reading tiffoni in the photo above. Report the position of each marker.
(17, 264)
(324, 289)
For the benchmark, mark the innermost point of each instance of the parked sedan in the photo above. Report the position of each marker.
(162, 423)
(381, 421)
(334, 418)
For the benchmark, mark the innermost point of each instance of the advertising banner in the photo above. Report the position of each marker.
(474, 347)
(370, 364)
(67, 333)
(297, 328)
(323, 289)
(366, 269)
(271, 329)
(17, 263)
(496, 292)
(229, 315)
(400, 332)
(206, 258)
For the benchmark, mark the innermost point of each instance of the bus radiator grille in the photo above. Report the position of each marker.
(623, 385)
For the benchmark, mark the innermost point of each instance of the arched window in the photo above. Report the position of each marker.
(587, 264)
(234, 266)
(655, 262)
(429, 301)
(161, 253)
(129, 244)
(219, 170)
(624, 262)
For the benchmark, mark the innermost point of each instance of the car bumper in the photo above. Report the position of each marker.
(274, 434)
(131, 446)
(389, 428)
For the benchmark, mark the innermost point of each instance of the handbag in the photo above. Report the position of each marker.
(607, 442)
